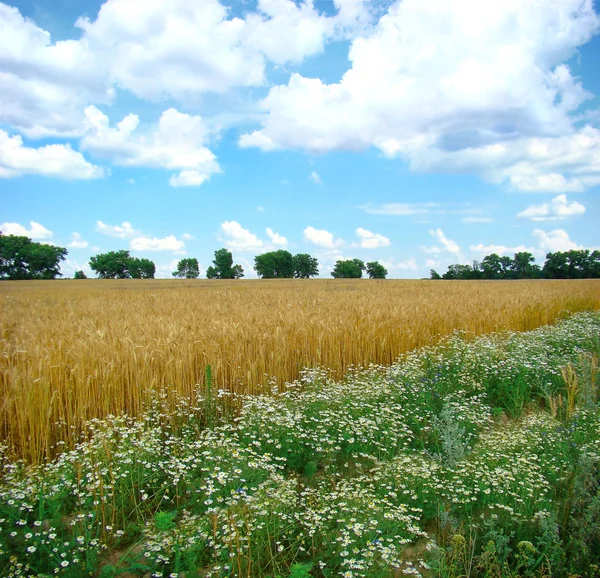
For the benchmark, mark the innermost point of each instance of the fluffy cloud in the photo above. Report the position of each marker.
(176, 143)
(276, 239)
(55, 160)
(121, 231)
(77, 242)
(170, 243)
(558, 208)
(448, 245)
(45, 86)
(483, 250)
(547, 241)
(321, 238)
(556, 240)
(156, 50)
(36, 231)
(238, 238)
(454, 85)
(370, 240)
(408, 265)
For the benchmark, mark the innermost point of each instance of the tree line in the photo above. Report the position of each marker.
(574, 264)
(22, 258)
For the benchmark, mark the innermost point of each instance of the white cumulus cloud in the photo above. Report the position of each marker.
(122, 231)
(555, 240)
(176, 143)
(53, 160)
(77, 242)
(276, 239)
(369, 240)
(169, 243)
(238, 238)
(454, 85)
(155, 50)
(36, 231)
(447, 244)
(321, 238)
(557, 209)
(483, 250)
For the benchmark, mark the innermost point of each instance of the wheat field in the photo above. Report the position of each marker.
(76, 350)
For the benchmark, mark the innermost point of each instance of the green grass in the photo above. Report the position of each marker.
(476, 457)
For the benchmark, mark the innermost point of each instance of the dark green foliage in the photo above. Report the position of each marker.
(305, 266)
(187, 268)
(351, 269)
(141, 268)
(21, 258)
(79, 275)
(223, 267)
(120, 265)
(275, 265)
(376, 270)
(523, 266)
(459, 272)
(574, 264)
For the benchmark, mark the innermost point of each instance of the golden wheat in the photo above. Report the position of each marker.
(74, 350)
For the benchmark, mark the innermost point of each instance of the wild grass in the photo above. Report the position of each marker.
(420, 468)
(76, 350)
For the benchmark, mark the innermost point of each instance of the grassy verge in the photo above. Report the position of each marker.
(477, 457)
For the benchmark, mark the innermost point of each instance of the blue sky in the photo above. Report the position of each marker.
(414, 133)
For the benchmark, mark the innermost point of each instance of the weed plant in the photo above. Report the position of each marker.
(476, 457)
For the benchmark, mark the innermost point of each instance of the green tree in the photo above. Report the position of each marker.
(223, 267)
(141, 268)
(22, 258)
(351, 269)
(491, 266)
(305, 266)
(433, 274)
(523, 266)
(188, 268)
(578, 263)
(376, 270)
(79, 275)
(121, 265)
(111, 265)
(275, 265)
(594, 265)
(556, 266)
(458, 272)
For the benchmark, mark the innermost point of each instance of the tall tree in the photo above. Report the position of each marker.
(523, 266)
(141, 268)
(223, 267)
(350, 269)
(275, 265)
(458, 272)
(121, 265)
(22, 258)
(305, 266)
(556, 266)
(188, 268)
(491, 266)
(376, 270)
(111, 265)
